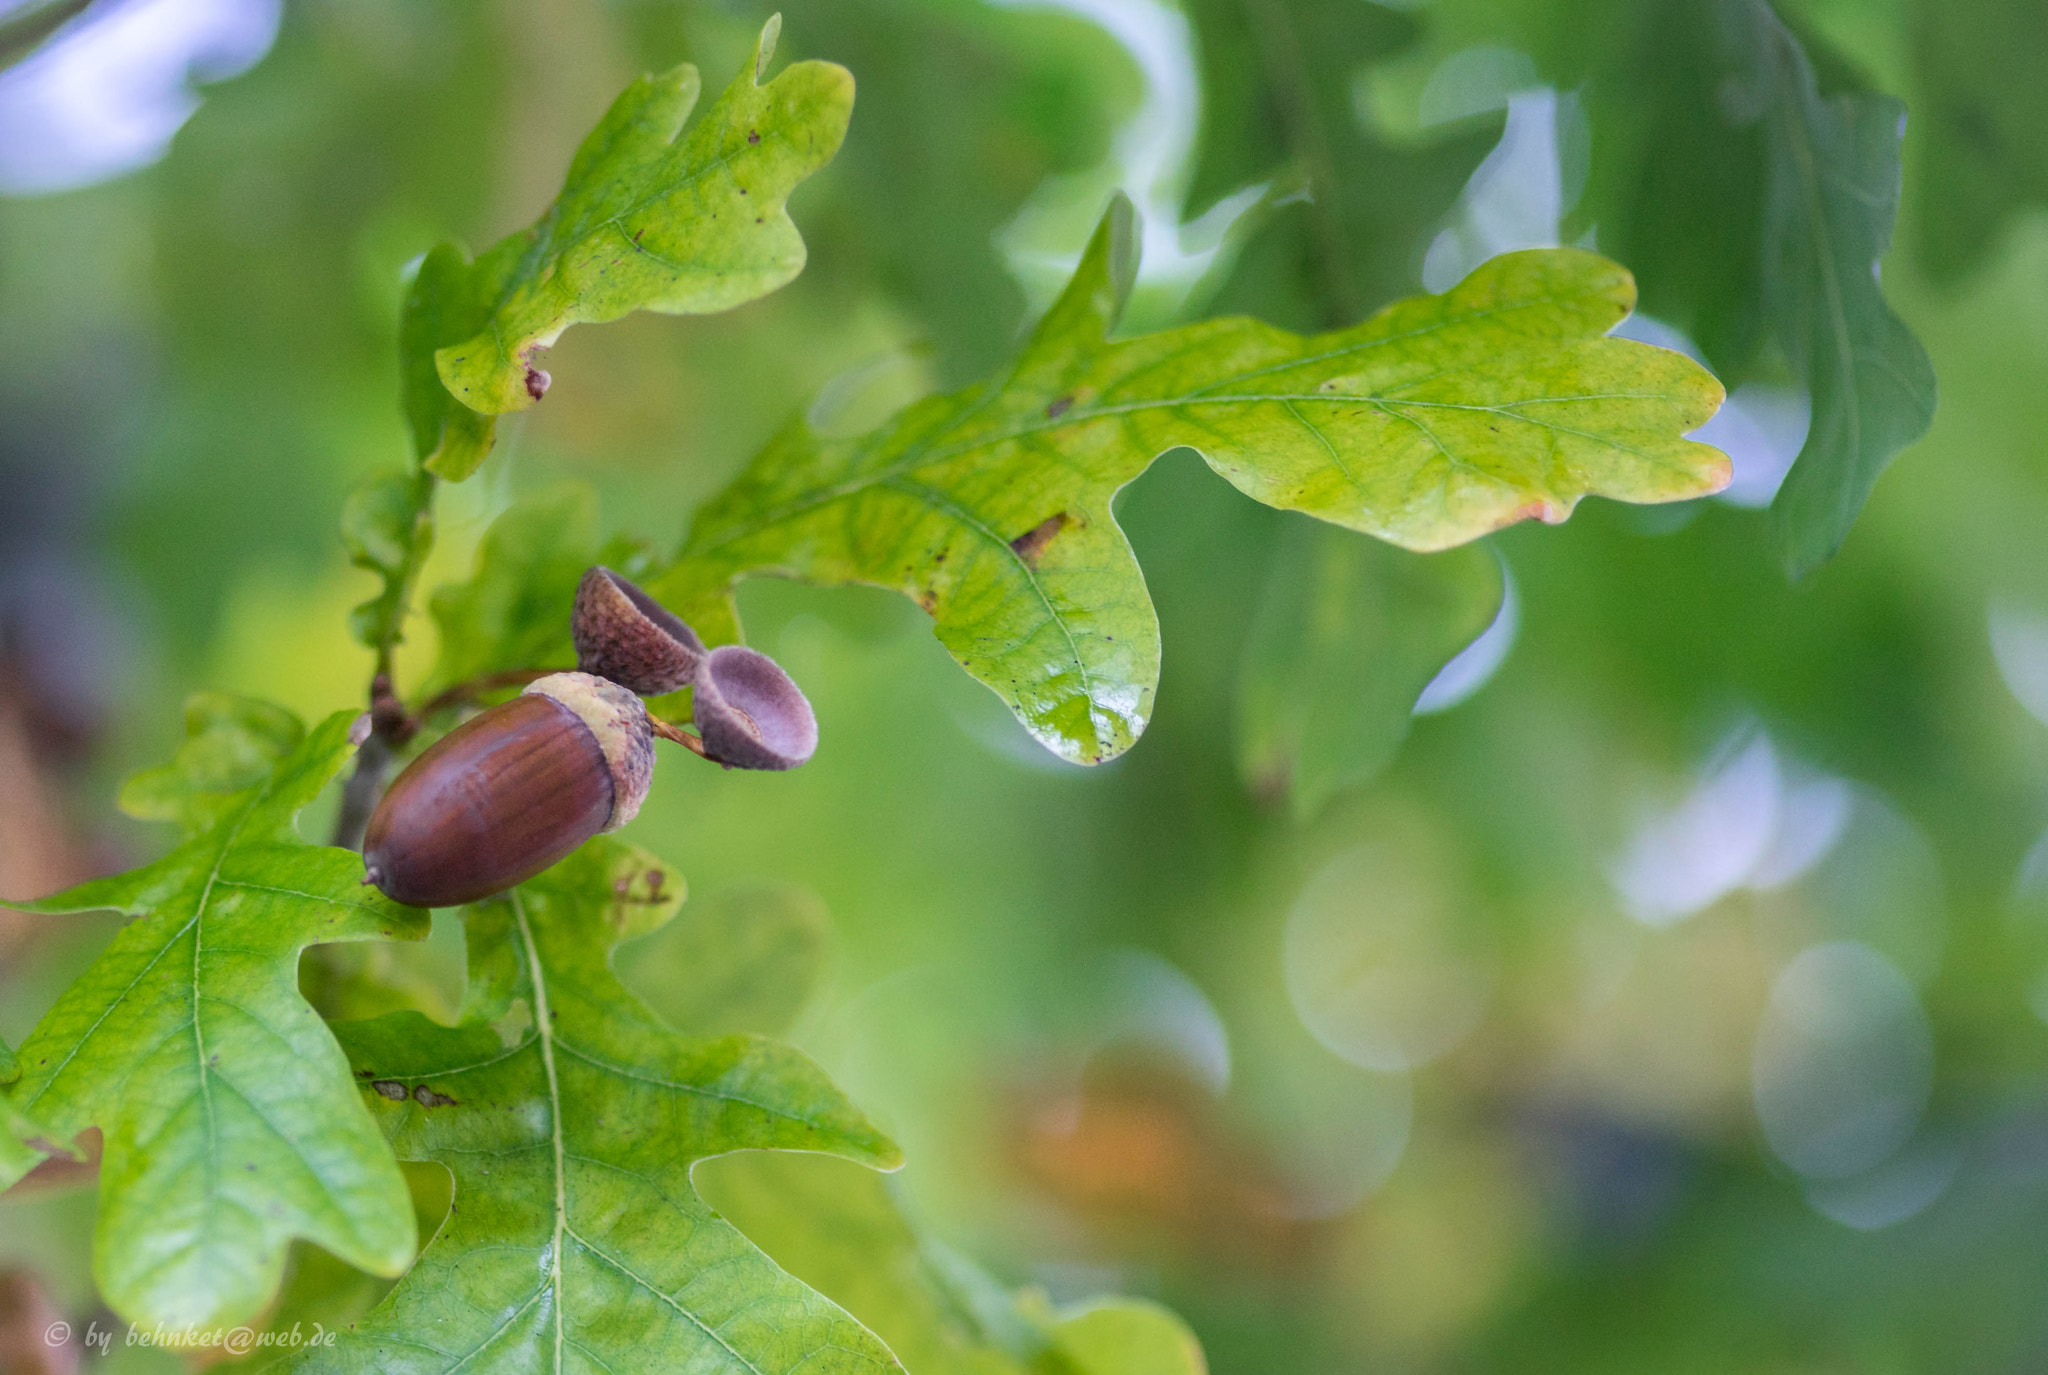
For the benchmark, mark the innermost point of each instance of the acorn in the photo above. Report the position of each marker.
(510, 791)
(625, 635)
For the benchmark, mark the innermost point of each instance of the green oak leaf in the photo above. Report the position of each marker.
(744, 959)
(387, 526)
(1437, 420)
(1279, 104)
(839, 1229)
(653, 217)
(1981, 109)
(513, 612)
(449, 300)
(1751, 203)
(1833, 192)
(229, 1121)
(576, 1239)
(24, 1141)
(232, 744)
(1350, 632)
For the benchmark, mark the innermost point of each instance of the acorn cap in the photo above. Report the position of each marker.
(625, 635)
(619, 721)
(749, 713)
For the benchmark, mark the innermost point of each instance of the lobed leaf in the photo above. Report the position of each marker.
(1751, 204)
(576, 1238)
(229, 1124)
(651, 217)
(513, 612)
(650, 220)
(387, 527)
(1350, 633)
(1833, 193)
(24, 1141)
(1437, 420)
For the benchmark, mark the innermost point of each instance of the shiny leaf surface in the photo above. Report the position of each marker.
(1437, 420)
(655, 218)
(229, 1121)
(576, 1240)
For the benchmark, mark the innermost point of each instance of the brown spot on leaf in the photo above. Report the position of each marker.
(537, 383)
(753, 136)
(1031, 544)
(389, 1088)
(427, 1098)
(1058, 406)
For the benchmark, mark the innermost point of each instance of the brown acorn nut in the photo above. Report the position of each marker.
(510, 791)
(749, 713)
(625, 635)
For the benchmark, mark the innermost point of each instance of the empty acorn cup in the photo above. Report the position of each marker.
(625, 635)
(749, 713)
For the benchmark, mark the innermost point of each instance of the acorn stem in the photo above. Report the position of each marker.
(668, 730)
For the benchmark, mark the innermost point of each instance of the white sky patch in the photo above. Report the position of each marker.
(106, 94)
(2019, 645)
(1474, 665)
(1760, 427)
(1516, 199)
(1151, 159)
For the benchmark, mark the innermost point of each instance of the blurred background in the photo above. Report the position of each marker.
(1677, 999)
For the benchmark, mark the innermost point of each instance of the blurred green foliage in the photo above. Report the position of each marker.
(1032, 966)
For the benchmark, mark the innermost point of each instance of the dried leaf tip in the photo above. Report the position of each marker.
(625, 635)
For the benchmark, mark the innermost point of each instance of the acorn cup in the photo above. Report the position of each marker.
(625, 635)
(749, 713)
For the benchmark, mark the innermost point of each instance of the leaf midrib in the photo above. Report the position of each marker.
(543, 1025)
(545, 1035)
(1822, 239)
(169, 943)
(931, 454)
